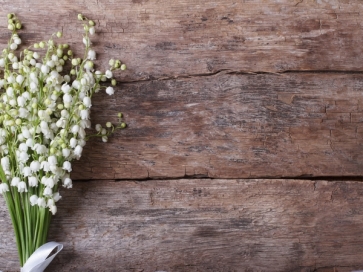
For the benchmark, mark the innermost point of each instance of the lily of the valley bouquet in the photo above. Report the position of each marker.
(44, 114)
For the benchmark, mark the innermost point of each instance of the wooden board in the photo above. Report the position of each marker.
(232, 126)
(204, 225)
(163, 38)
(215, 89)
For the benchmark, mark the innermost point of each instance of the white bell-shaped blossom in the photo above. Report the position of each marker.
(22, 187)
(73, 142)
(41, 202)
(110, 91)
(33, 181)
(23, 157)
(53, 209)
(47, 192)
(66, 152)
(52, 160)
(4, 188)
(67, 166)
(33, 200)
(57, 196)
(27, 171)
(5, 163)
(67, 183)
(91, 54)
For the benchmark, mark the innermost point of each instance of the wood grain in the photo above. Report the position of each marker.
(204, 225)
(163, 38)
(231, 126)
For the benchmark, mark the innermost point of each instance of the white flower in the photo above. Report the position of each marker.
(78, 151)
(22, 187)
(85, 123)
(67, 183)
(64, 113)
(81, 133)
(40, 149)
(5, 163)
(86, 41)
(73, 142)
(87, 101)
(23, 113)
(41, 202)
(91, 55)
(10, 91)
(75, 129)
(33, 181)
(23, 147)
(26, 171)
(33, 200)
(50, 202)
(76, 84)
(92, 30)
(98, 127)
(57, 196)
(66, 152)
(17, 40)
(82, 142)
(4, 188)
(2, 62)
(13, 46)
(15, 181)
(84, 114)
(110, 91)
(50, 63)
(52, 160)
(45, 69)
(23, 157)
(35, 166)
(67, 98)
(104, 139)
(29, 142)
(45, 166)
(47, 192)
(67, 166)
(108, 74)
(66, 88)
(61, 123)
(25, 132)
(53, 209)
(21, 101)
(19, 79)
(49, 182)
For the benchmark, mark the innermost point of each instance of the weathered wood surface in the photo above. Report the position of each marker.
(204, 225)
(232, 126)
(195, 110)
(171, 38)
(223, 124)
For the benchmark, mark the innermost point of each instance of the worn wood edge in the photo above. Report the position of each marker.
(204, 225)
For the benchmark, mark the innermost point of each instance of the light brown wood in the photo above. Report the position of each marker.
(163, 38)
(204, 225)
(231, 126)
(214, 89)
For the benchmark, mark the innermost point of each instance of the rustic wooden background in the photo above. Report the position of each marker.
(244, 150)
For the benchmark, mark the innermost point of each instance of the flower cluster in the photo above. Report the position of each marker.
(44, 113)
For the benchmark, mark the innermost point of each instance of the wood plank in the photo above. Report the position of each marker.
(172, 38)
(204, 225)
(231, 126)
